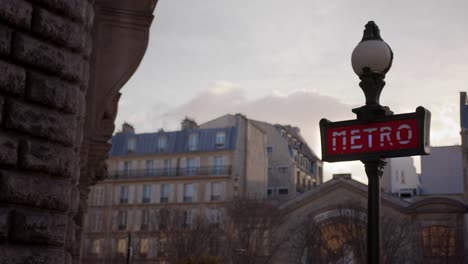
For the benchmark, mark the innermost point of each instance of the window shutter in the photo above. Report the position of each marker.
(180, 193)
(131, 194)
(114, 220)
(171, 193)
(223, 191)
(137, 224)
(138, 193)
(117, 194)
(207, 192)
(156, 193)
(195, 192)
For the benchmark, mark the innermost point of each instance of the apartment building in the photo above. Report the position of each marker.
(197, 171)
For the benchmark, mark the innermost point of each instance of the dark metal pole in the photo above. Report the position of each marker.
(129, 249)
(374, 171)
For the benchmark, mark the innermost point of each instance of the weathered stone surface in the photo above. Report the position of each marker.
(5, 39)
(58, 29)
(2, 102)
(16, 12)
(4, 214)
(46, 157)
(38, 227)
(52, 92)
(73, 8)
(47, 57)
(30, 255)
(34, 190)
(40, 122)
(8, 150)
(12, 78)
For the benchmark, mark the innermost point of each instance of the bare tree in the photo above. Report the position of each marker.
(251, 232)
(186, 239)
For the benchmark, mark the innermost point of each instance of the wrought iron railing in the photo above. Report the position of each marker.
(161, 172)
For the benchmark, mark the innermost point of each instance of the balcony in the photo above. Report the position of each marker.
(171, 172)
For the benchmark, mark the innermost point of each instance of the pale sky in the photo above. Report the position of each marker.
(288, 62)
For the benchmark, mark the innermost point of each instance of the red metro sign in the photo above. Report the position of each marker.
(391, 136)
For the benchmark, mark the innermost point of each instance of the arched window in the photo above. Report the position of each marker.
(438, 241)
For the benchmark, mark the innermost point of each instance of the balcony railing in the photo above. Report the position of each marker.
(190, 171)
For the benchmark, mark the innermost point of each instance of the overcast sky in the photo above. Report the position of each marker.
(288, 62)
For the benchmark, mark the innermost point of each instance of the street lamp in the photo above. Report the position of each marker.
(371, 60)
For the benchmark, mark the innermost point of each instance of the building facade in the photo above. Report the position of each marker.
(400, 178)
(196, 171)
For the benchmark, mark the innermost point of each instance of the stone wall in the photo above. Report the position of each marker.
(45, 46)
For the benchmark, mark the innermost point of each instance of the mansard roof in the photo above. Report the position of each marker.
(177, 141)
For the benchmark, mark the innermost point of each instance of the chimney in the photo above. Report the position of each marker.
(189, 123)
(127, 128)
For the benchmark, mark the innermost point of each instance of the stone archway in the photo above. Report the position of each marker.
(61, 74)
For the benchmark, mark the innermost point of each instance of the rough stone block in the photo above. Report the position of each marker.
(5, 40)
(30, 255)
(2, 102)
(58, 29)
(16, 12)
(48, 57)
(38, 227)
(40, 122)
(75, 9)
(12, 78)
(52, 92)
(34, 190)
(4, 214)
(8, 150)
(45, 157)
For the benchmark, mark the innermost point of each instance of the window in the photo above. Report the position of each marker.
(131, 144)
(144, 247)
(218, 165)
(96, 247)
(122, 220)
(438, 241)
(188, 192)
(187, 219)
(298, 178)
(193, 142)
(164, 218)
(144, 220)
(122, 247)
(96, 221)
(269, 191)
(283, 191)
(98, 196)
(282, 169)
(269, 150)
(164, 193)
(215, 191)
(123, 194)
(127, 168)
(146, 193)
(167, 164)
(220, 139)
(162, 143)
(149, 169)
(214, 217)
(191, 167)
(403, 180)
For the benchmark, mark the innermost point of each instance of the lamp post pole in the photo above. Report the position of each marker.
(371, 59)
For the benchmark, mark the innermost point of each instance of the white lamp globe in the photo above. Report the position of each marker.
(372, 52)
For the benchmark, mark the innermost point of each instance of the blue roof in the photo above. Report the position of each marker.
(177, 141)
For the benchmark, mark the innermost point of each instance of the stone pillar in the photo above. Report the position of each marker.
(45, 48)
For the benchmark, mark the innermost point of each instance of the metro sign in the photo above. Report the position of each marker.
(389, 136)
